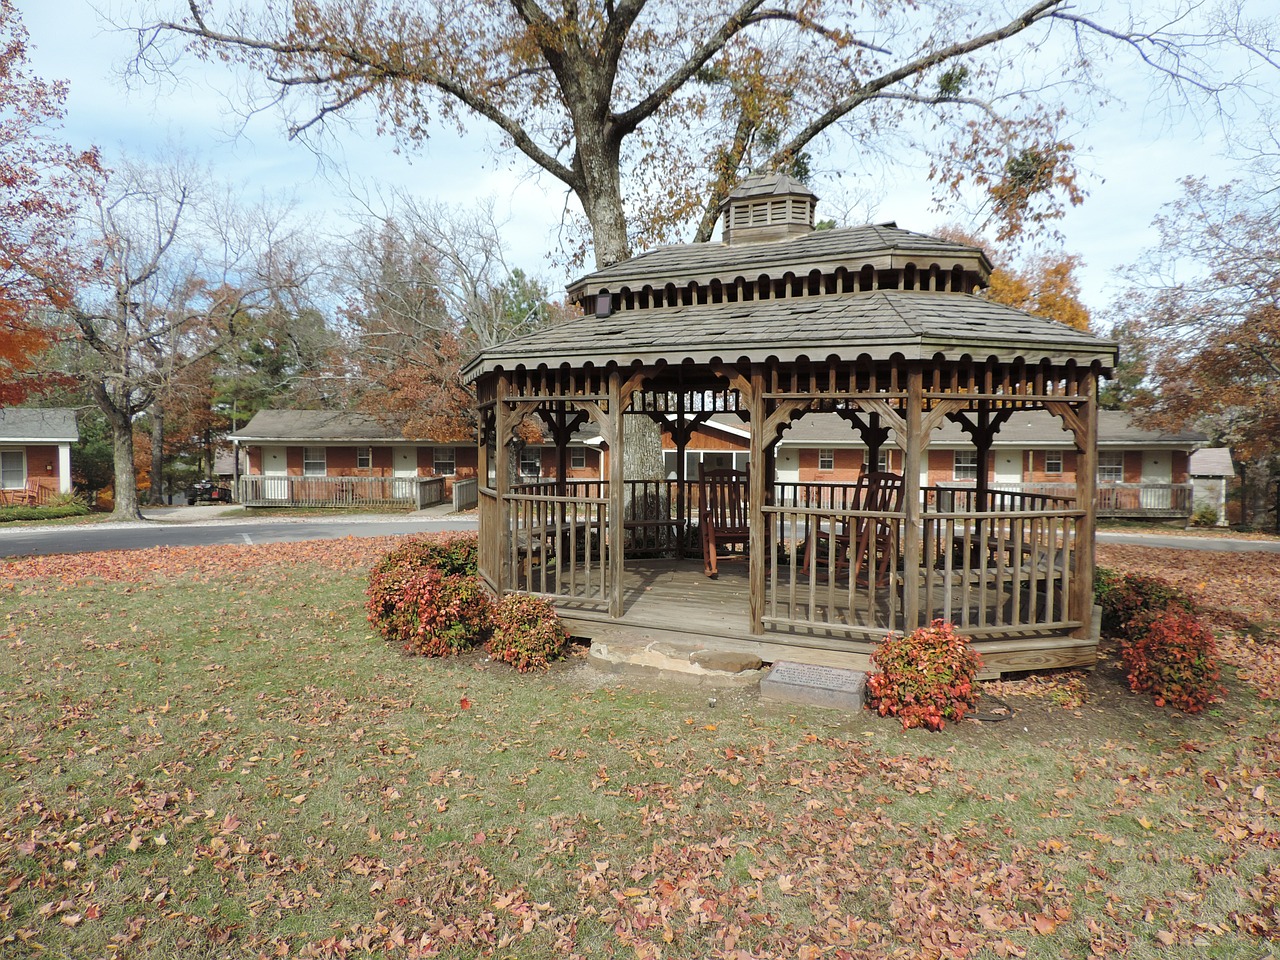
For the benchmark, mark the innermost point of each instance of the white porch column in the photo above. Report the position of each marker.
(64, 468)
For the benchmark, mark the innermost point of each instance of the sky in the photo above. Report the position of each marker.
(1133, 154)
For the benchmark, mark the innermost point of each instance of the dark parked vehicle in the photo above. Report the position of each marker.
(208, 491)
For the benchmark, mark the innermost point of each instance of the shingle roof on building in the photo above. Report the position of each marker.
(1212, 462)
(878, 323)
(1026, 428)
(821, 249)
(26, 425)
(299, 425)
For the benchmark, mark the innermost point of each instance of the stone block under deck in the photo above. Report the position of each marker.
(637, 653)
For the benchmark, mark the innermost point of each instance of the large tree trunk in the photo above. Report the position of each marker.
(126, 478)
(157, 456)
(600, 192)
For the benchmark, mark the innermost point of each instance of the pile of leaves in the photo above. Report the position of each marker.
(925, 677)
(223, 561)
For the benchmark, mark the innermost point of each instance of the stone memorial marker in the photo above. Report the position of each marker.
(807, 683)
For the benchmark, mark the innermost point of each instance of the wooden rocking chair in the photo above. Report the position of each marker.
(872, 544)
(722, 514)
(876, 551)
(830, 545)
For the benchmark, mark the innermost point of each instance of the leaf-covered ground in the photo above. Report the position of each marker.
(205, 753)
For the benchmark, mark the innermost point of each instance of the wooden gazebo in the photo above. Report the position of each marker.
(879, 325)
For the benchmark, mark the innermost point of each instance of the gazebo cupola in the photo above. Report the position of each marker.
(768, 206)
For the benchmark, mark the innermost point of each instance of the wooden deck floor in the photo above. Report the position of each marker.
(672, 600)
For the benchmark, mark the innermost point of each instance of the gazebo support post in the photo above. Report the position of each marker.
(913, 526)
(757, 545)
(681, 438)
(502, 479)
(561, 436)
(1087, 491)
(617, 494)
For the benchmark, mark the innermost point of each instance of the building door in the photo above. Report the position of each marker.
(1008, 467)
(1157, 480)
(275, 467)
(404, 465)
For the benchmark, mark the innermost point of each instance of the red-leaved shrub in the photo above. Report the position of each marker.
(526, 632)
(925, 678)
(427, 611)
(1172, 655)
(450, 553)
(1126, 598)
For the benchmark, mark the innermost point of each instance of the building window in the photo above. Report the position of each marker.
(882, 461)
(444, 462)
(1053, 461)
(965, 465)
(578, 459)
(313, 462)
(1111, 468)
(364, 458)
(530, 462)
(13, 469)
(826, 458)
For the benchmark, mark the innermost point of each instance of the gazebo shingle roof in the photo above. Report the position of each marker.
(880, 323)
(824, 250)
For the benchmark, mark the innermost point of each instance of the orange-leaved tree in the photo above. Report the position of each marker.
(1044, 284)
(1205, 304)
(42, 183)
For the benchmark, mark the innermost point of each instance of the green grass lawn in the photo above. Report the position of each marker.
(229, 764)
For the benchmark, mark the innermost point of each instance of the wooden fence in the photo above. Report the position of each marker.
(269, 491)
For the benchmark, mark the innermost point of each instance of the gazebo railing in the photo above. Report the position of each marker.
(1000, 571)
(990, 573)
(814, 580)
(557, 546)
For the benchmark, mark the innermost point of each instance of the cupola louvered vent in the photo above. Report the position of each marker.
(768, 206)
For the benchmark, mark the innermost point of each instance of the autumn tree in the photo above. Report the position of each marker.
(1205, 303)
(42, 183)
(1041, 283)
(176, 265)
(423, 286)
(648, 111)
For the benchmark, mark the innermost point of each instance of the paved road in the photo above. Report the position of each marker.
(198, 526)
(177, 533)
(1223, 544)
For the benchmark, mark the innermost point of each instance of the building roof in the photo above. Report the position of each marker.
(50, 425)
(884, 246)
(1026, 428)
(879, 324)
(296, 426)
(333, 426)
(1212, 462)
